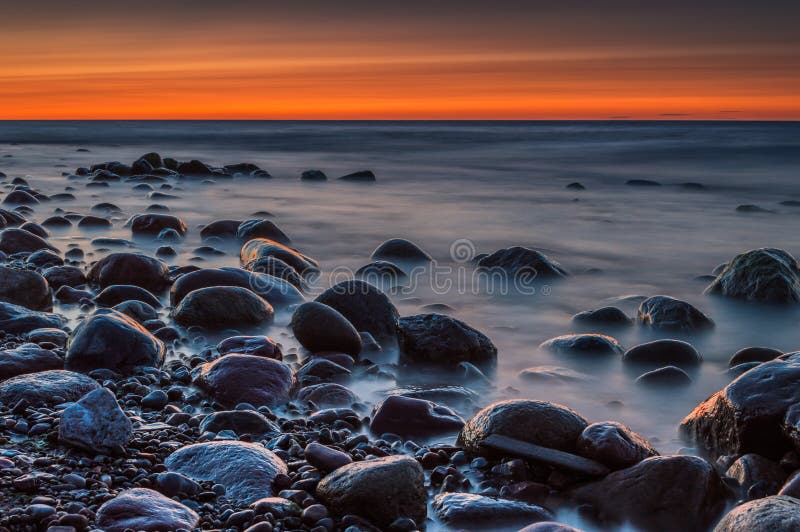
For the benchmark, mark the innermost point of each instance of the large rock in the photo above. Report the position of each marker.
(112, 340)
(26, 288)
(440, 339)
(15, 240)
(365, 306)
(46, 387)
(246, 470)
(320, 328)
(583, 345)
(219, 307)
(475, 512)
(130, 268)
(776, 513)
(614, 445)
(661, 353)
(669, 314)
(380, 490)
(538, 422)
(27, 358)
(275, 291)
(407, 416)
(660, 493)
(96, 423)
(753, 354)
(524, 264)
(234, 379)
(142, 509)
(747, 415)
(765, 275)
(264, 247)
(15, 319)
(152, 224)
(402, 250)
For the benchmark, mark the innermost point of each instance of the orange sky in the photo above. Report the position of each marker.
(317, 60)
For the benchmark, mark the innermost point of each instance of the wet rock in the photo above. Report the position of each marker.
(327, 395)
(155, 400)
(604, 316)
(751, 468)
(94, 222)
(46, 386)
(364, 306)
(668, 376)
(277, 268)
(552, 374)
(246, 470)
(240, 422)
(400, 249)
(218, 307)
(146, 510)
(663, 353)
(747, 415)
(538, 422)
(561, 461)
(172, 484)
(250, 229)
(130, 268)
(583, 345)
(58, 276)
(256, 380)
(67, 295)
(111, 340)
(52, 336)
(407, 416)
(15, 319)
(750, 208)
(27, 358)
(96, 423)
(313, 175)
(118, 293)
(792, 486)
(753, 354)
(770, 513)
(765, 275)
(153, 224)
(362, 176)
(380, 490)
(25, 288)
(661, 493)
(549, 526)
(524, 264)
(319, 327)
(642, 183)
(57, 222)
(477, 511)
(440, 339)
(669, 314)
(224, 229)
(321, 369)
(575, 186)
(138, 310)
(14, 240)
(194, 168)
(250, 345)
(277, 292)
(324, 458)
(258, 248)
(381, 272)
(20, 197)
(614, 445)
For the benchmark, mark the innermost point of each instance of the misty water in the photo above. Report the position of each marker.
(458, 188)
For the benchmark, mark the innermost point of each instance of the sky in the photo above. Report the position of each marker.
(314, 59)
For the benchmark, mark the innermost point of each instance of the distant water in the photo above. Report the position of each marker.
(487, 185)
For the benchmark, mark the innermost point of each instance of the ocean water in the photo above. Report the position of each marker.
(460, 188)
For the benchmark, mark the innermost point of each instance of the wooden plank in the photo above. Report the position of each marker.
(552, 457)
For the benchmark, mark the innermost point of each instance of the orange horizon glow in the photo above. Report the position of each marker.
(272, 70)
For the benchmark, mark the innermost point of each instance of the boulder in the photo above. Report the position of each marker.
(583, 345)
(319, 327)
(777, 513)
(663, 353)
(380, 490)
(613, 444)
(264, 247)
(15, 319)
(25, 288)
(747, 416)
(459, 510)
(142, 509)
(407, 416)
(96, 423)
(27, 358)
(130, 268)
(440, 339)
(234, 379)
(46, 387)
(246, 470)
(365, 306)
(119, 293)
(665, 313)
(659, 493)
(240, 422)
(219, 307)
(765, 275)
(400, 249)
(250, 229)
(13, 240)
(152, 224)
(538, 422)
(602, 317)
(275, 291)
(524, 264)
(111, 340)
(262, 346)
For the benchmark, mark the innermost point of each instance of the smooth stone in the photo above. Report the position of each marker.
(240, 422)
(549, 526)
(14, 240)
(666, 313)
(130, 268)
(42, 387)
(553, 375)
(142, 509)
(604, 316)
(583, 345)
(250, 345)
(319, 327)
(407, 416)
(325, 458)
(172, 484)
(380, 272)
(791, 488)
(776, 513)
(766, 275)
(138, 310)
(505, 446)
(523, 264)
(659, 353)
(275, 291)
(250, 229)
(364, 306)
(118, 293)
(362, 176)
(224, 229)
(321, 369)
(751, 468)
(25, 288)
(400, 249)
(277, 268)
(614, 445)
(442, 340)
(258, 248)
(219, 307)
(313, 175)
(48, 335)
(477, 511)
(642, 183)
(754, 354)
(58, 276)
(152, 224)
(234, 379)
(155, 400)
(15, 319)
(96, 423)
(327, 395)
(27, 359)
(668, 376)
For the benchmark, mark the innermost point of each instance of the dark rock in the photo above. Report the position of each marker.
(324, 458)
(362, 176)
(250, 229)
(15, 319)
(642, 183)
(319, 327)
(42, 387)
(770, 513)
(109, 339)
(15, 240)
(246, 470)
(765, 275)
(250, 345)
(53, 336)
(27, 358)
(659, 493)
(477, 511)
(549, 526)
(750, 208)
(575, 186)
(153, 224)
(235, 379)
(218, 307)
(67, 295)
(240, 422)
(313, 175)
(263, 247)
(669, 314)
(524, 264)
(96, 423)
(57, 221)
(439, 339)
(364, 306)
(277, 268)
(146, 510)
(583, 345)
(327, 395)
(792, 486)
(172, 484)
(407, 416)
(668, 376)
(660, 353)
(381, 272)
(751, 468)
(118, 293)
(754, 354)
(44, 258)
(155, 400)
(538, 422)
(499, 445)
(276, 291)
(321, 369)
(400, 249)
(20, 197)
(224, 229)
(94, 222)
(195, 168)
(381, 490)
(138, 310)
(552, 374)
(614, 445)
(25, 288)
(604, 316)
(130, 268)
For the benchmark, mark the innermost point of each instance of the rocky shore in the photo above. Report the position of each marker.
(150, 399)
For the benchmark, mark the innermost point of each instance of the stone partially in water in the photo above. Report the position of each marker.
(604, 316)
(218, 307)
(96, 423)
(400, 249)
(275, 291)
(753, 354)
(614, 445)
(362, 176)
(15, 240)
(27, 358)
(26, 288)
(407, 416)
(250, 229)
(661, 353)
(668, 376)
(766, 275)
(234, 379)
(240, 422)
(15, 319)
(130, 268)
(145, 510)
(776, 513)
(442, 340)
(264, 247)
(365, 306)
(119, 293)
(583, 345)
(319, 327)
(524, 264)
(262, 346)
(45, 387)
(669, 314)
(153, 224)
(477, 511)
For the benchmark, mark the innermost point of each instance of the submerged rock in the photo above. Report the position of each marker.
(668, 376)
(264, 247)
(766, 275)
(583, 345)
(153, 224)
(130, 268)
(262, 346)
(218, 307)
(477, 511)
(364, 176)
(234, 379)
(120, 293)
(96, 423)
(145, 510)
(604, 316)
(614, 445)
(440, 339)
(400, 249)
(250, 229)
(365, 306)
(660, 353)
(770, 513)
(524, 264)
(407, 416)
(669, 314)
(46, 387)
(15, 319)
(753, 354)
